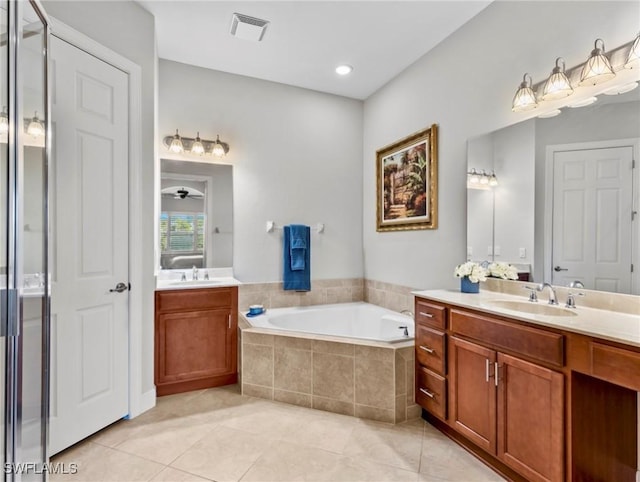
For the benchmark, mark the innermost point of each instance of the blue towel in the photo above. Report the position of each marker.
(300, 279)
(298, 246)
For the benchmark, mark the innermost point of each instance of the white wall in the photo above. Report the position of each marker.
(466, 85)
(129, 30)
(296, 156)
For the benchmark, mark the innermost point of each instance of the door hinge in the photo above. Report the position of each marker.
(633, 163)
(633, 215)
(632, 267)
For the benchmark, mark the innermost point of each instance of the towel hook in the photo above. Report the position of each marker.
(272, 226)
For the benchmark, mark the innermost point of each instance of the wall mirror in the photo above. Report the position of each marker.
(196, 215)
(566, 204)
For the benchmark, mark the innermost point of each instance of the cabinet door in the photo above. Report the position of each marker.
(196, 344)
(472, 393)
(530, 419)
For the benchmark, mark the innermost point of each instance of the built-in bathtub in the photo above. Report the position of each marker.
(350, 358)
(360, 320)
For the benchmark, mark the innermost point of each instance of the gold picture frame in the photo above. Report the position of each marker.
(407, 183)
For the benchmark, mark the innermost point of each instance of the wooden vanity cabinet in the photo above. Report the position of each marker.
(430, 355)
(498, 396)
(195, 339)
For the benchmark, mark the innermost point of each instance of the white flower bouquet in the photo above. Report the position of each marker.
(471, 270)
(503, 270)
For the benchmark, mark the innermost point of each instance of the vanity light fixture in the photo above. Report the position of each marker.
(4, 121)
(557, 85)
(35, 128)
(597, 69)
(197, 147)
(622, 89)
(583, 102)
(176, 144)
(525, 98)
(633, 59)
(481, 180)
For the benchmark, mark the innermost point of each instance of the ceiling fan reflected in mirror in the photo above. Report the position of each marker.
(181, 192)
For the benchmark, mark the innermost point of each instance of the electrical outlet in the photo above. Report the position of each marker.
(523, 253)
(469, 251)
(497, 251)
(490, 250)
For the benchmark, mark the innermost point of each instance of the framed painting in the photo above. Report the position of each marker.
(407, 183)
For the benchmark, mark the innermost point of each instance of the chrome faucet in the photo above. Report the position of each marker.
(533, 296)
(195, 274)
(571, 300)
(183, 277)
(407, 312)
(576, 284)
(553, 299)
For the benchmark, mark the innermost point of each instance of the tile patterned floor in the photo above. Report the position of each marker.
(220, 435)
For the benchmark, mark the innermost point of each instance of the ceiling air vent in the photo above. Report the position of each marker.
(248, 28)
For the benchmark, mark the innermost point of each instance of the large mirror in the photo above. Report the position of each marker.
(196, 215)
(565, 207)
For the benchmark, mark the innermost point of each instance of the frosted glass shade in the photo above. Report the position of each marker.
(557, 85)
(35, 128)
(176, 144)
(218, 149)
(597, 69)
(4, 121)
(197, 147)
(525, 98)
(633, 59)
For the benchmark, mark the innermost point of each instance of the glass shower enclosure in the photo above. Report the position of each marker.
(24, 273)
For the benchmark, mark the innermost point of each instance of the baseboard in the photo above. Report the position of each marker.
(638, 476)
(146, 401)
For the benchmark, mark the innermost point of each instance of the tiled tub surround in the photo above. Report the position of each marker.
(271, 295)
(323, 292)
(367, 380)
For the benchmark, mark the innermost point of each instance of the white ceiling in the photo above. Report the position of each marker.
(306, 40)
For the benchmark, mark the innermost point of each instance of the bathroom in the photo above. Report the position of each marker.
(305, 153)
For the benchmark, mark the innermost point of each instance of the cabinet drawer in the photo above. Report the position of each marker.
(618, 366)
(535, 344)
(431, 392)
(431, 314)
(193, 299)
(430, 348)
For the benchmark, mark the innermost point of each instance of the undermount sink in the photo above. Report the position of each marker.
(196, 282)
(531, 308)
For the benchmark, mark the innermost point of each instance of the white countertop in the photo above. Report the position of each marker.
(608, 325)
(171, 279)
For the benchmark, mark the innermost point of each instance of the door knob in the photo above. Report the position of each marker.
(558, 268)
(120, 287)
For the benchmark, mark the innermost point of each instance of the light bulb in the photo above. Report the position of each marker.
(344, 69)
(197, 147)
(35, 129)
(176, 144)
(218, 149)
(493, 180)
(4, 121)
(474, 177)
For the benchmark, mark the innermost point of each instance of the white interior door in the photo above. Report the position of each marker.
(89, 322)
(592, 223)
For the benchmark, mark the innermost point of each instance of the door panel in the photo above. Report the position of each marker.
(473, 393)
(592, 227)
(90, 210)
(531, 419)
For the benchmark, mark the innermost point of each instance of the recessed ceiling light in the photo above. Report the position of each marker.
(344, 69)
(584, 102)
